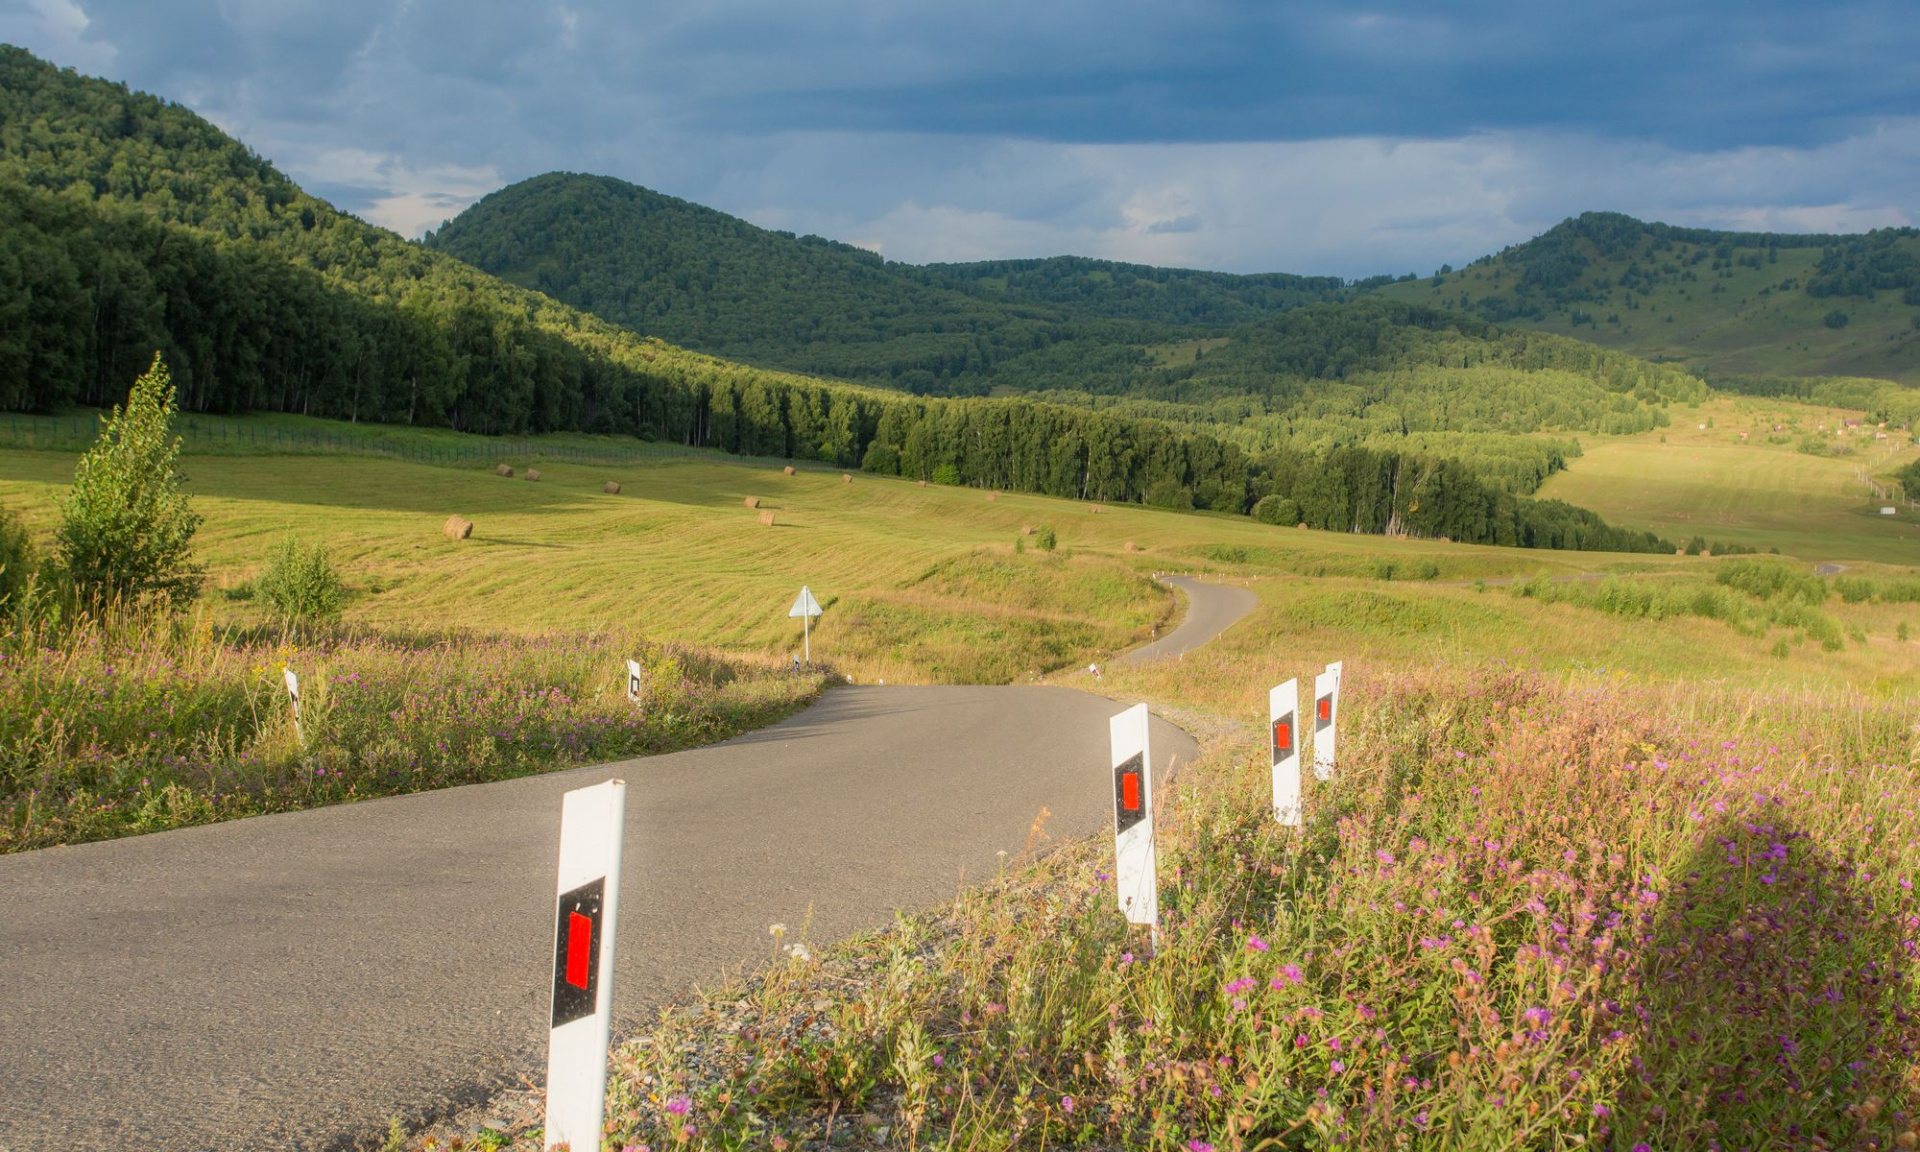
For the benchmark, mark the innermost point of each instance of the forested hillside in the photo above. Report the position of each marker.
(1727, 303)
(665, 267)
(131, 224)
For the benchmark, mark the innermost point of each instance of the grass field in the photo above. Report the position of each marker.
(1764, 491)
(919, 582)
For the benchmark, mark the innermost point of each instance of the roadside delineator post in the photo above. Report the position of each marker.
(1283, 739)
(1326, 711)
(592, 828)
(636, 682)
(293, 694)
(1136, 878)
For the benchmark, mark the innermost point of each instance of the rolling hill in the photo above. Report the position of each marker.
(1723, 303)
(692, 275)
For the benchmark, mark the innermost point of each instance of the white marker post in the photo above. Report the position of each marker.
(293, 694)
(1326, 710)
(1283, 730)
(592, 826)
(805, 607)
(1135, 872)
(636, 682)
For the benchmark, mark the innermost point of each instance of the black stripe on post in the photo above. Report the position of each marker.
(576, 953)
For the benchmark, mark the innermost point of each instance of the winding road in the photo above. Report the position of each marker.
(290, 981)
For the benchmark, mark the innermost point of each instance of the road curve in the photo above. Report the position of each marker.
(292, 980)
(1211, 610)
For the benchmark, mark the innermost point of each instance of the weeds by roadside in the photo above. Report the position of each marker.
(1529, 914)
(134, 726)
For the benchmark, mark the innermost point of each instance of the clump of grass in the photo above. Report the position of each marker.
(133, 726)
(1526, 915)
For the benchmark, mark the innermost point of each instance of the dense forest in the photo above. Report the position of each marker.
(662, 266)
(130, 224)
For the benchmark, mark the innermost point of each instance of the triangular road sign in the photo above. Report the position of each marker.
(804, 605)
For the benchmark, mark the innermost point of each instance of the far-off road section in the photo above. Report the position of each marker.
(290, 981)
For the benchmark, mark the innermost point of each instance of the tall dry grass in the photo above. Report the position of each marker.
(136, 724)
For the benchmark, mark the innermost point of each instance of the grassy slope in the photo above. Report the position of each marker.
(1736, 330)
(1686, 480)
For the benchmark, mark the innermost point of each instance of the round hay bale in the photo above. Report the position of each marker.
(787, 471)
(766, 519)
(1132, 547)
(1302, 524)
(533, 473)
(992, 496)
(457, 527)
(923, 483)
(1026, 530)
(611, 488)
(503, 470)
(1093, 509)
(846, 477)
(753, 501)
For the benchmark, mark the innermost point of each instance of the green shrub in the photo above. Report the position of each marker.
(946, 474)
(126, 528)
(300, 584)
(1044, 539)
(1772, 579)
(1854, 589)
(1384, 569)
(1696, 546)
(1280, 510)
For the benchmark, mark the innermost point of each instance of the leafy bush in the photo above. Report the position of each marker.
(1280, 510)
(300, 584)
(126, 527)
(1836, 319)
(1044, 539)
(1770, 579)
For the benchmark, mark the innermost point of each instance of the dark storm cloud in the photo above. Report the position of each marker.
(1704, 75)
(1312, 137)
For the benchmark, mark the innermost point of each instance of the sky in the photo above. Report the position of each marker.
(1325, 138)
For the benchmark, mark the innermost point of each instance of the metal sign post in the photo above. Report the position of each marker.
(1135, 871)
(636, 682)
(1283, 731)
(805, 607)
(592, 827)
(1326, 710)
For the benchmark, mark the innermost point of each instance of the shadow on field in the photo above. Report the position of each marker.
(1772, 1014)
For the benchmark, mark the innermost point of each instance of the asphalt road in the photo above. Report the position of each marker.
(1211, 610)
(290, 981)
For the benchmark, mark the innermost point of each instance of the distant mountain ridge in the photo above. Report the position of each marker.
(1724, 303)
(692, 275)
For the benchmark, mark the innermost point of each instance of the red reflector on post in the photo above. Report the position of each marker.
(1283, 735)
(1326, 707)
(1130, 791)
(579, 949)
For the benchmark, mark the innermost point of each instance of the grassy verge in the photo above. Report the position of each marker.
(1528, 914)
(122, 729)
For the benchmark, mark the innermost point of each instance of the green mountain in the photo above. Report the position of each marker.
(1723, 303)
(128, 224)
(695, 276)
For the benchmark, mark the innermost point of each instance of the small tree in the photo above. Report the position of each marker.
(126, 527)
(300, 584)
